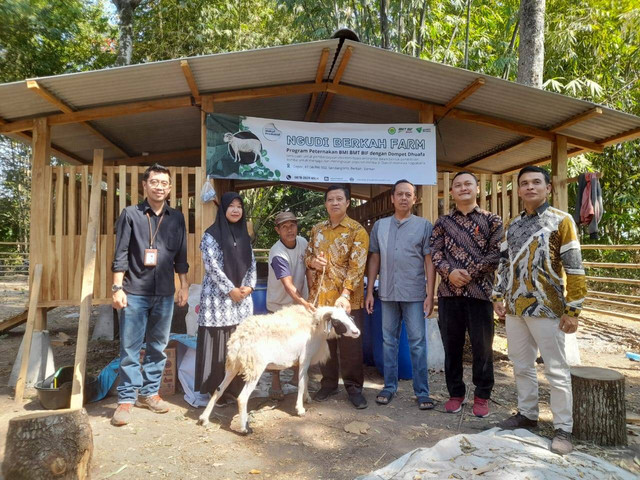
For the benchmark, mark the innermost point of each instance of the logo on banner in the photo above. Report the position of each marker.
(392, 130)
(270, 132)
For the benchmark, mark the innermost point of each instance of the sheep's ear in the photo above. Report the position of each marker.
(326, 316)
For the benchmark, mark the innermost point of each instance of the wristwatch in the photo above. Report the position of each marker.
(115, 288)
(346, 295)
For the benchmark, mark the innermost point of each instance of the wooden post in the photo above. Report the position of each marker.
(88, 276)
(40, 206)
(34, 295)
(483, 191)
(446, 186)
(425, 115)
(505, 199)
(209, 210)
(599, 410)
(559, 173)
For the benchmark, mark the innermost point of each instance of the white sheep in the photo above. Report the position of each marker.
(292, 336)
(243, 145)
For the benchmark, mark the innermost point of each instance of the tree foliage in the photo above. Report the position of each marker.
(42, 37)
(592, 51)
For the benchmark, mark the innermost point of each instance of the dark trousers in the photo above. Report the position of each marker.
(456, 315)
(345, 360)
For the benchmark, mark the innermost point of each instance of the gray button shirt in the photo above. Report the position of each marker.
(403, 246)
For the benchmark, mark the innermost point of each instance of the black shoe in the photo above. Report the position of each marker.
(518, 421)
(358, 401)
(324, 393)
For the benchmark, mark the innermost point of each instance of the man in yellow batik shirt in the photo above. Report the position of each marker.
(339, 246)
(539, 246)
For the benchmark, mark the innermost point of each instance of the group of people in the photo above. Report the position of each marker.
(529, 273)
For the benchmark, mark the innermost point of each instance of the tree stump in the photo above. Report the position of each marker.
(598, 406)
(47, 445)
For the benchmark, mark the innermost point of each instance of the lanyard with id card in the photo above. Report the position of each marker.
(151, 254)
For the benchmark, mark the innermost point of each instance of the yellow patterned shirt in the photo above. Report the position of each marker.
(536, 251)
(345, 246)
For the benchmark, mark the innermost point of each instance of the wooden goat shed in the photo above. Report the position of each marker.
(155, 112)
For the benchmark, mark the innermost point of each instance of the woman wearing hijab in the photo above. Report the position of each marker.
(225, 300)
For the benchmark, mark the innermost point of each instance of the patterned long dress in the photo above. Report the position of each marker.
(218, 317)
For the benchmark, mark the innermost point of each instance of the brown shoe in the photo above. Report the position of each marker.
(153, 403)
(122, 415)
(518, 421)
(561, 443)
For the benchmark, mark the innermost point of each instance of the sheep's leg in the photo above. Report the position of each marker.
(303, 393)
(255, 156)
(228, 377)
(307, 397)
(243, 398)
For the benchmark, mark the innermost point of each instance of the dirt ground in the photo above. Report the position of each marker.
(284, 446)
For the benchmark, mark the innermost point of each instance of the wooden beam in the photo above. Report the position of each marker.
(505, 150)
(521, 128)
(35, 87)
(191, 81)
(375, 96)
(413, 104)
(559, 165)
(463, 95)
(336, 80)
(614, 314)
(542, 161)
(88, 276)
(13, 322)
(622, 137)
(322, 64)
(581, 117)
(34, 296)
(59, 152)
(266, 92)
(96, 113)
(174, 159)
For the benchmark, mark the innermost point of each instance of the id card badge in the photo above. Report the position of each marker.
(150, 257)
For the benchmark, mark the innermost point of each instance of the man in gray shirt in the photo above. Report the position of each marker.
(399, 250)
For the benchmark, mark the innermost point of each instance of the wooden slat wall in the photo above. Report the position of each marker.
(68, 189)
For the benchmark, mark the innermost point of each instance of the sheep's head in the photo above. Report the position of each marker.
(228, 137)
(338, 319)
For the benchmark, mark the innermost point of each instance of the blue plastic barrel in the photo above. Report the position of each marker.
(367, 340)
(259, 297)
(405, 371)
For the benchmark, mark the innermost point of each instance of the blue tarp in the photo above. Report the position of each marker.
(108, 375)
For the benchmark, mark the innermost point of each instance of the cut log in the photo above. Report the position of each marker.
(47, 445)
(599, 410)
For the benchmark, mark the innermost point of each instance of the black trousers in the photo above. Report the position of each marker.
(456, 315)
(345, 360)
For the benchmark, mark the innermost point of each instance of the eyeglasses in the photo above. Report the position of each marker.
(155, 182)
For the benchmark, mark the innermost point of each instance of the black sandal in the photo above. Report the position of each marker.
(384, 397)
(426, 404)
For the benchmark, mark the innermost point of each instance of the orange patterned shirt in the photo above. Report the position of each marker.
(345, 246)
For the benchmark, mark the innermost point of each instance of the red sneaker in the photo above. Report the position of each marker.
(454, 404)
(480, 407)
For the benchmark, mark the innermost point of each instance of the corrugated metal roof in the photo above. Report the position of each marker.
(369, 67)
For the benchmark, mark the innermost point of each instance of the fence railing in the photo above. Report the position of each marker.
(496, 195)
(617, 304)
(14, 259)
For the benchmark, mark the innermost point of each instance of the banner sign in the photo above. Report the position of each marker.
(251, 148)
